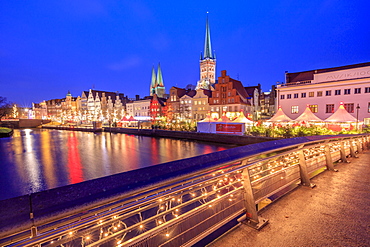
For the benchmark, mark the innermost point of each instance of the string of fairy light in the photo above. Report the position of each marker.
(129, 222)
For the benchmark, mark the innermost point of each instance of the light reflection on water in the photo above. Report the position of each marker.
(34, 160)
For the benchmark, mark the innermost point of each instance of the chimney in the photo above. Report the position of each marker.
(223, 73)
(137, 97)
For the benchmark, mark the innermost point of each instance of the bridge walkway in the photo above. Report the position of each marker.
(334, 213)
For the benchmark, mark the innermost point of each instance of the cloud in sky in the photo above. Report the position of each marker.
(125, 64)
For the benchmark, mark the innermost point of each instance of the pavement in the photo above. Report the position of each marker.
(334, 213)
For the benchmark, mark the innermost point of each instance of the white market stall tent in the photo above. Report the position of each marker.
(280, 116)
(308, 116)
(243, 119)
(341, 119)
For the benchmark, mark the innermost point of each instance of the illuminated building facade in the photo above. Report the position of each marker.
(173, 103)
(324, 89)
(158, 107)
(200, 104)
(229, 97)
(139, 109)
(101, 105)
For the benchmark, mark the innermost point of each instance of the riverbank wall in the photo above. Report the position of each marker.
(185, 135)
(23, 123)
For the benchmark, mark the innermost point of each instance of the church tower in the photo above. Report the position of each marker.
(207, 63)
(156, 85)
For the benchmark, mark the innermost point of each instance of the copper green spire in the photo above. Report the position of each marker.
(159, 76)
(207, 42)
(153, 83)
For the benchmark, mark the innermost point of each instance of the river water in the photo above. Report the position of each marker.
(34, 160)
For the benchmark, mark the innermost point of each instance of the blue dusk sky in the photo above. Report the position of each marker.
(48, 48)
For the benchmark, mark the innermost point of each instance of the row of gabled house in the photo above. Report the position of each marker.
(228, 97)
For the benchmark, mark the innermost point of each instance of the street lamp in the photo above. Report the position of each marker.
(357, 110)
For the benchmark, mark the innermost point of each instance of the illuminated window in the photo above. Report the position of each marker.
(368, 107)
(294, 109)
(349, 107)
(367, 89)
(311, 94)
(295, 95)
(314, 108)
(347, 91)
(357, 90)
(303, 95)
(328, 93)
(329, 108)
(337, 92)
(282, 96)
(319, 93)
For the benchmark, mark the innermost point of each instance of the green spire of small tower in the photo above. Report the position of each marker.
(207, 42)
(159, 76)
(153, 83)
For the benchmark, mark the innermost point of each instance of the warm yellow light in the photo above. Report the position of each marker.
(88, 237)
(167, 235)
(141, 226)
(70, 233)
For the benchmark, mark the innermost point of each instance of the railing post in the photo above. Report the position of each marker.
(359, 147)
(33, 231)
(305, 179)
(352, 150)
(343, 152)
(329, 160)
(251, 217)
(365, 143)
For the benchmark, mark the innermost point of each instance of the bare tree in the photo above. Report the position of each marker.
(5, 107)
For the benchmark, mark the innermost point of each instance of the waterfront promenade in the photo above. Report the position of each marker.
(335, 213)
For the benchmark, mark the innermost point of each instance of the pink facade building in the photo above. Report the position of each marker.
(323, 90)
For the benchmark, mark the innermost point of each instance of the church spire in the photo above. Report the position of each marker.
(207, 63)
(153, 83)
(207, 42)
(159, 76)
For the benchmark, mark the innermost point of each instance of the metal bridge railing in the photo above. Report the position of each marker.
(184, 210)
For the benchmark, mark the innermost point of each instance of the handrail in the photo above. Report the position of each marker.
(211, 190)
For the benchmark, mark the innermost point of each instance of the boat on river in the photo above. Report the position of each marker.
(6, 132)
